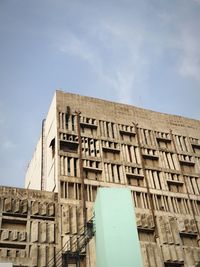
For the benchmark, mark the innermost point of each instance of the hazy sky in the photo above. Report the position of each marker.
(140, 52)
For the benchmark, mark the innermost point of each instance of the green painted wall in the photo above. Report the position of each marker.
(117, 242)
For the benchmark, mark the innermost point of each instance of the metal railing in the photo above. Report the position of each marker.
(75, 246)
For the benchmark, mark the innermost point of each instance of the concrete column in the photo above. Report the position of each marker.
(72, 166)
(116, 178)
(110, 178)
(106, 178)
(63, 121)
(61, 165)
(137, 154)
(60, 120)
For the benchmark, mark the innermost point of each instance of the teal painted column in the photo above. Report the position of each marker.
(117, 242)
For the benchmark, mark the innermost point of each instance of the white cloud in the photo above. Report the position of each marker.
(190, 62)
(81, 48)
(121, 67)
(182, 35)
(122, 52)
(75, 46)
(8, 144)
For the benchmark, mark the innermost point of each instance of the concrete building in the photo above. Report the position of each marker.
(87, 143)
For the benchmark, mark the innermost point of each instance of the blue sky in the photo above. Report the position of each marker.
(140, 52)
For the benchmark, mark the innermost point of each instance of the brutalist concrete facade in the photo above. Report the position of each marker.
(28, 224)
(88, 143)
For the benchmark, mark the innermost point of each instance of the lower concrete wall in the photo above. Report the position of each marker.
(35, 225)
(28, 224)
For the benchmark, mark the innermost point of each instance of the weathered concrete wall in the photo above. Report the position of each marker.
(33, 173)
(41, 172)
(28, 224)
(50, 151)
(126, 114)
(158, 159)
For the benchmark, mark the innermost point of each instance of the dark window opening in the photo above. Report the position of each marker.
(52, 146)
(173, 264)
(73, 121)
(68, 166)
(68, 147)
(67, 121)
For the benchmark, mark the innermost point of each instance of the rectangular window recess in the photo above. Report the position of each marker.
(192, 175)
(42, 217)
(69, 146)
(10, 213)
(9, 244)
(174, 264)
(163, 139)
(124, 132)
(21, 221)
(186, 162)
(175, 182)
(149, 156)
(135, 176)
(69, 143)
(189, 234)
(145, 229)
(195, 145)
(88, 125)
(115, 150)
(92, 169)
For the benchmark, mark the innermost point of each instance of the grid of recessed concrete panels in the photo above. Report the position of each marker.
(28, 220)
(156, 155)
(161, 168)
